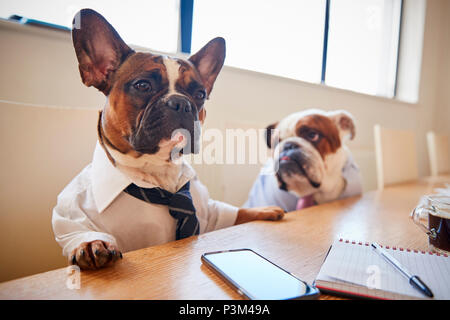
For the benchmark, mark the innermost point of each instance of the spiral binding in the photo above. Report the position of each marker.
(394, 248)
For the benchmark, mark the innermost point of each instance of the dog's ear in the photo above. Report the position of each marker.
(345, 123)
(271, 135)
(99, 48)
(209, 61)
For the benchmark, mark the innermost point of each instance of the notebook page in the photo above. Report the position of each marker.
(360, 265)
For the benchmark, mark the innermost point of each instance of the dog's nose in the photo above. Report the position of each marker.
(179, 104)
(290, 146)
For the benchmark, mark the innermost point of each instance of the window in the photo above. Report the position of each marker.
(348, 44)
(363, 42)
(152, 24)
(283, 37)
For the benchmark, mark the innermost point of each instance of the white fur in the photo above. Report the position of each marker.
(172, 69)
(333, 184)
(150, 170)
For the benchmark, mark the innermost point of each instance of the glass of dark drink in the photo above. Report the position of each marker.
(433, 217)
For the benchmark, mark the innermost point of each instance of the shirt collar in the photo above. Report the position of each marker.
(108, 181)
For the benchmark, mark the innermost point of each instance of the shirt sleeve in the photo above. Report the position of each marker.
(71, 223)
(225, 214)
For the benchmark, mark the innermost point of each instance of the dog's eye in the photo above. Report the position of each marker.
(200, 95)
(313, 136)
(143, 86)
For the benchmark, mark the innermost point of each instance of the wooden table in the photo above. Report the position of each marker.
(298, 244)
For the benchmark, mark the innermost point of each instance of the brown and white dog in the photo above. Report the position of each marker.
(312, 165)
(149, 98)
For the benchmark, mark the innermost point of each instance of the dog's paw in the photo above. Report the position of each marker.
(94, 255)
(260, 213)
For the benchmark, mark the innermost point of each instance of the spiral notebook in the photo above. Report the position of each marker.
(353, 268)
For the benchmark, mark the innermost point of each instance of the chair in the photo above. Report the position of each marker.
(42, 150)
(396, 157)
(438, 152)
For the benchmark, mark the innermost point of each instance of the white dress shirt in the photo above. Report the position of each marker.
(93, 206)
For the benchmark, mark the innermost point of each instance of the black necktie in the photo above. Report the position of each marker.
(179, 203)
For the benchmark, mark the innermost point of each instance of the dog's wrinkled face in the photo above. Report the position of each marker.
(150, 96)
(309, 149)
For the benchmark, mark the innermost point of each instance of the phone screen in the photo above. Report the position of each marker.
(257, 277)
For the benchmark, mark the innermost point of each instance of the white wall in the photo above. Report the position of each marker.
(442, 113)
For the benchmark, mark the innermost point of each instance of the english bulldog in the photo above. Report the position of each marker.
(138, 191)
(310, 163)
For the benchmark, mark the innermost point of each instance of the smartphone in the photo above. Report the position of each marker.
(257, 278)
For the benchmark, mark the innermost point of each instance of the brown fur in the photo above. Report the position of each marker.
(188, 81)
(329, 141)
(124, 111)
(92, 38)
(108, 64)
(208, 68)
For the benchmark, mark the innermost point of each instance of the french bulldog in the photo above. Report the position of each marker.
(155, 106)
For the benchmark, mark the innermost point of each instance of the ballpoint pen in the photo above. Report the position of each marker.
(413, 279)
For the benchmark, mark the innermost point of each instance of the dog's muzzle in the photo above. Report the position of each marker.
(165, 118)
(294, 161)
